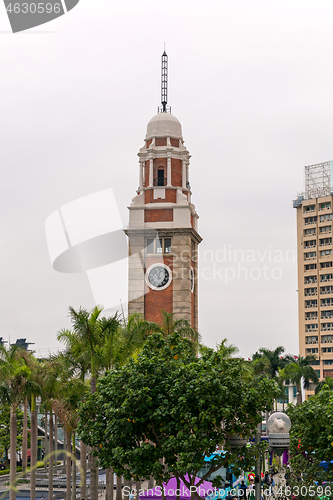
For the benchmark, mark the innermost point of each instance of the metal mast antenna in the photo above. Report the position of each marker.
(164, 108)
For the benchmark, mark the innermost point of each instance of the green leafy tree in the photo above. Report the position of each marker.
(311, 442)
(169, 404)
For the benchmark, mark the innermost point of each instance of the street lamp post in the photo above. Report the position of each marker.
(278, 426)
(257, 484)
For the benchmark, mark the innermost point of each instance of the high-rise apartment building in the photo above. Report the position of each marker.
(315, 267)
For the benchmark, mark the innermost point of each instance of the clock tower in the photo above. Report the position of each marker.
(163, 224)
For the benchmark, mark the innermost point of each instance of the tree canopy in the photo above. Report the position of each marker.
(170, 404)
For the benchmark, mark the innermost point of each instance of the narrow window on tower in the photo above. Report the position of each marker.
(160, 177)
(167, 245)
(159, 245)
(150, 246)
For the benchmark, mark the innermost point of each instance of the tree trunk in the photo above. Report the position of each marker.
(150, 483)
(55, 444)
(138, 488)
(83, 461)
(127, 488)
(13, 440)
(25, 439)
(93, 460)
(109, 484)
(68, 467)
(64, 462)
(33, 447)
(119, 493)
(299, 393)
(73, 468)
(45, 444)
(51, 458)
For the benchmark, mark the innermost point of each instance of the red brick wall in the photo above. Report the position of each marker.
(159, 215)
(176, 172)
(156, 300)
(148, 143)
(170, 196)
(161, 141)
(174, 143)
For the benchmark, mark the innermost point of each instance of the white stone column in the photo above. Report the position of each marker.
(169, 170)
(184, 176)
(141, 176)
(151, 171)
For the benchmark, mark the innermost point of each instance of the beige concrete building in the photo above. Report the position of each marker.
(315, 267)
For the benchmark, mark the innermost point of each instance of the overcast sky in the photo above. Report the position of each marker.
(251, 83)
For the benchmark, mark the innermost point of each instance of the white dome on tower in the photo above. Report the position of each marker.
(164, 125)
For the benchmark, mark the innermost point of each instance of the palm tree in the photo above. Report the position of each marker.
(70, 394)
(298, 369)
(327, 381)
(89, 329)
(17, 376)
(171, 325)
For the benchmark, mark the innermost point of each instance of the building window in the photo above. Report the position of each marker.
(325, 241)
(325, 264)
(309, 208)
(325, 252)
(311, 315)
(158, 246)
(326, 314)
(324, 229)
(327, 349)
(167, 245)
(326, 289)
(308, 232)
(310, 279)
(310, 243)
(309, 267)
(311, 303)
(310, 220)
(312, 327)
(323, 206)
(295, 391)
(310, 291)
(326, 277)
(326, 302)
(312, 340)
(326, 217)
(310, 255)
(160, 177)
(312, 350)
(326, 339)
(326, 327)
(328, 361)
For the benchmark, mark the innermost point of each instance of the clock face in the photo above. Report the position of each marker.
(158, 277)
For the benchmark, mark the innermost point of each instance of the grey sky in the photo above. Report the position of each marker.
(251, 83)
